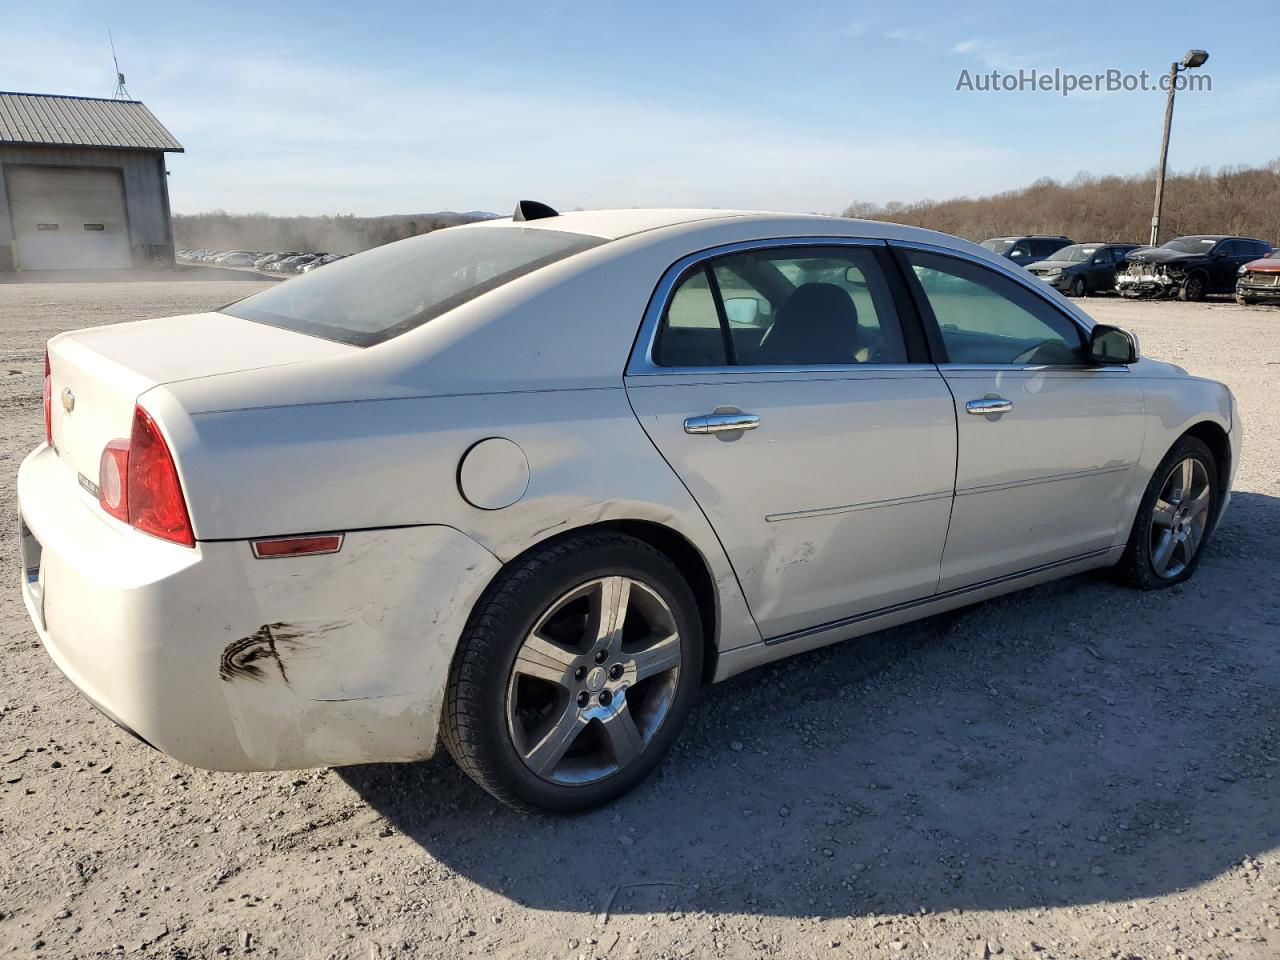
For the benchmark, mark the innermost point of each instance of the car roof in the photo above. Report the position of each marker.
(657, 225)
(614, 224)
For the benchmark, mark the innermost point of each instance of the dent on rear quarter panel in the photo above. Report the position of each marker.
(350, 654)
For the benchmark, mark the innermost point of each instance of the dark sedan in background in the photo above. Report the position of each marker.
(1083, 268)
(1189, 267)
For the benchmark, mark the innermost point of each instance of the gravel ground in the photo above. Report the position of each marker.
(1073, 771)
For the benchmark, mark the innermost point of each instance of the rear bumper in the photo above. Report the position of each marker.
(228, 662)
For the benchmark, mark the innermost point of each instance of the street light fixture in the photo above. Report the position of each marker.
(1190, 60)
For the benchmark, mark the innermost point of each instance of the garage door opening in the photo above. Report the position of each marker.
(68, 218)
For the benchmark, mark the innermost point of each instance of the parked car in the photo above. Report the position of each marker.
(1024, 250)
(264, 262)
(436, 487)
(1259, 281)
(320, 262)
(287, 264)
(1188, 267)
(296, 264)
(240, 258)
(1083, 268)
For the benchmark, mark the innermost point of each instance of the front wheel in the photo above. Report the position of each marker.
(1174, 519)
(574, 674)
(1193, 288)
(1078, 287)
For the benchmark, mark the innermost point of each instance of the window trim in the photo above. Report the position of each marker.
(642, 363)
(933, 332)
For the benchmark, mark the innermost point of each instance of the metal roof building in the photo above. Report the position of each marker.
(83, 184)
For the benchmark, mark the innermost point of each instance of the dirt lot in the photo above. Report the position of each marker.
(1074, 771)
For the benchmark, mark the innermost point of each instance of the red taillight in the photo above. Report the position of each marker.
(138, 483)
(113, 479)
(48, 401)
(156, 504)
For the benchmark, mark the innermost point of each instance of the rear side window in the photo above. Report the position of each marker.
(985, 317)
(381, 293)
(791, 306)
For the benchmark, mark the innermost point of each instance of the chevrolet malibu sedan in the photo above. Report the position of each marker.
(523, 486)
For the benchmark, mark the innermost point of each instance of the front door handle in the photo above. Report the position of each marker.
(721, 423)
(988, 405)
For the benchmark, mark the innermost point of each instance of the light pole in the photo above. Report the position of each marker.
(1192, 59)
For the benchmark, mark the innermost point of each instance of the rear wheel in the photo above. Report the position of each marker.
(574, 675)
(1174, 519)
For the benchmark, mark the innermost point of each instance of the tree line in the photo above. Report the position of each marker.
(1240, 200)
(342, 233)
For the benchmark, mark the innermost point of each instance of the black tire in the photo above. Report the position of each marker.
(1137, 567)
(1245, 301)
(1079, 287)
(1193, 288)
(475, 725)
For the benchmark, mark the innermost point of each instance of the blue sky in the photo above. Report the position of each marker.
(406, 107)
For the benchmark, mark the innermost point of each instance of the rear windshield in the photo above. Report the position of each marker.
(381, 293)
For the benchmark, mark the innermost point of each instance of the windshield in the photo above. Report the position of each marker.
(1076, 253)
(998, 245)
(1190, 244)
(381, 293)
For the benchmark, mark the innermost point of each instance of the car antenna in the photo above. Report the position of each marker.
(533, 210)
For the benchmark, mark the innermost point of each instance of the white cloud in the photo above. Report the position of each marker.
(995, 55)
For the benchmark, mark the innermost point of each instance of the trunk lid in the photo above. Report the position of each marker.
(98, 374)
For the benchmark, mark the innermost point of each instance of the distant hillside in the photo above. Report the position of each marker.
(343, 233)
(1244, 201)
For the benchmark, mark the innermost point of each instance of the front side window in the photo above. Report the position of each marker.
(985, 317)
(381, 293)
(782, 307)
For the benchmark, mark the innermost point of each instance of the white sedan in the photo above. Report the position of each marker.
(525, 485)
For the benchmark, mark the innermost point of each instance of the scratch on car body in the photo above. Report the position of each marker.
(243, 659)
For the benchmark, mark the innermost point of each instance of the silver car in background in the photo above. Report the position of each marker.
(525, 485)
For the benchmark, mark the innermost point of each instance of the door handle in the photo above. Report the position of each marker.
(721, 423)
(988, 405)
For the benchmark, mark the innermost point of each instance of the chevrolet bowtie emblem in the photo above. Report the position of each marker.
(68, 399)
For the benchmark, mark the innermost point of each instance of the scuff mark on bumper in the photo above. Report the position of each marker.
(244, 659)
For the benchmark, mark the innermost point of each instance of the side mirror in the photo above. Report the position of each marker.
(1111, 345)
(742, 311)
(1017, 253)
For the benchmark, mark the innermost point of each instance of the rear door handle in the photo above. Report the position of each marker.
(721, 423)
(988, 405)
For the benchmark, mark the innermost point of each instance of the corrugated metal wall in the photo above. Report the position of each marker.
(146, 196)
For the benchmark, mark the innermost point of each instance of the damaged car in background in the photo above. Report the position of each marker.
(1188, 267)
(1259, 281)
(524, 486)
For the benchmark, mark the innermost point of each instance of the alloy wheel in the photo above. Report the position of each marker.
(1179, 518)
(593, 681)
